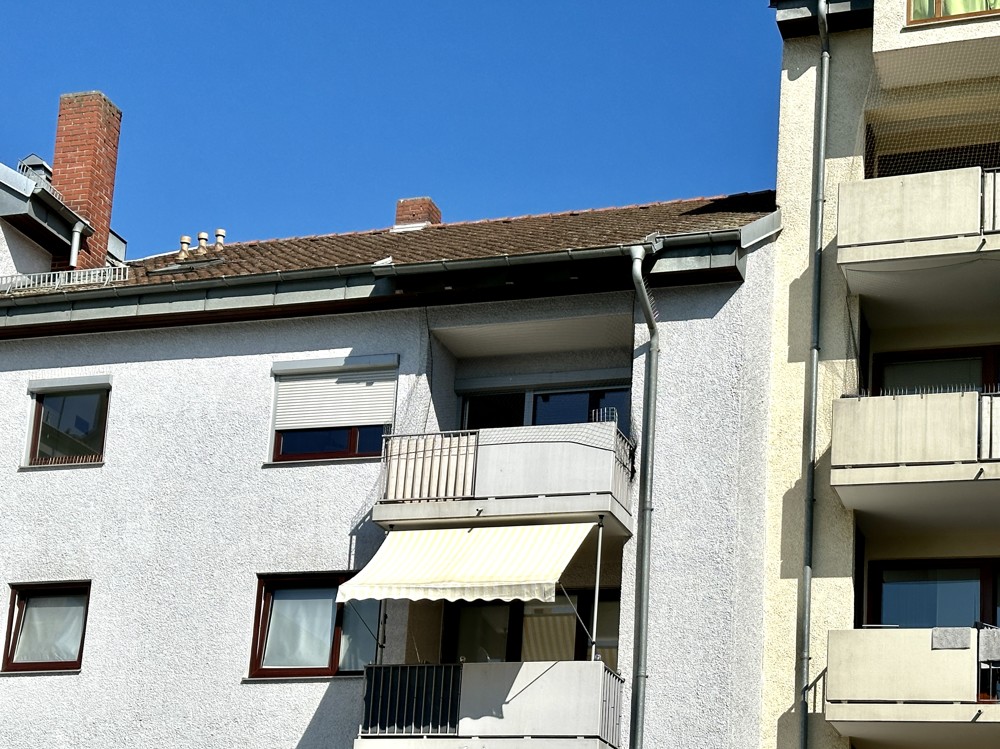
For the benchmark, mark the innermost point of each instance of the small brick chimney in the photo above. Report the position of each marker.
(417, 211)
(83, 167)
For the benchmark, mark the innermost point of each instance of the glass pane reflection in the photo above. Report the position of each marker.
(942, 597)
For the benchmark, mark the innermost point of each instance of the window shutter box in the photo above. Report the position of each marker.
(335, 400)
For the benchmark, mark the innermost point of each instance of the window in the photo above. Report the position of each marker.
(45, 626)
(536, 407)
(933, 593)
(333, 408)
(300, 629)
(935, 370)
(69, 426)
(930, 10)
(489, 631)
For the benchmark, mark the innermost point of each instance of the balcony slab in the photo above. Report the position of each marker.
(956, 496)
(914, 726)
(574, 508)
(890, 688)
(455, 742)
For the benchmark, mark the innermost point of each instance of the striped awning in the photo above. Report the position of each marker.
(519, 562)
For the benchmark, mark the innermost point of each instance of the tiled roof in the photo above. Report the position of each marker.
(552, 232)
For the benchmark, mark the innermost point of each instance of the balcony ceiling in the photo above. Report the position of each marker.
(956, 729)
(958, 496)
(581, 333)
(955, 290)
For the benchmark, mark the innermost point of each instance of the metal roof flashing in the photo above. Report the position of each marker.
(796, 18)
(325, 290)
(36, 212)
(709, 256)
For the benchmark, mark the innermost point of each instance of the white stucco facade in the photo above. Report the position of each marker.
(186, 510)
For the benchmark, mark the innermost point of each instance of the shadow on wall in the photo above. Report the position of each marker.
(334, 724)
(821, 733)
(833, 544)
(366, 537)
(837, 345)
(686, 303)
(220, 340)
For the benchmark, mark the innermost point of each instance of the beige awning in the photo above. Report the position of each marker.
(520, 562)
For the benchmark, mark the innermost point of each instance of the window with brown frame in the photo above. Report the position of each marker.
(336, 414)
(46, 624)
(936, 10)
(328, 443)
(69, 427)
(300, 630)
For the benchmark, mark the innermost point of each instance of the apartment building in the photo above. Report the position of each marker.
(882, 586)
(381, 488)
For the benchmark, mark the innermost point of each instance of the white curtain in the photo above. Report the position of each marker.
(357, 645)
(957, 7)
(300, 631)
(52, 629)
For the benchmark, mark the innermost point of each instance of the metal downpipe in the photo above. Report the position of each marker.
(812, 384)
(74, 249)
(643, 540)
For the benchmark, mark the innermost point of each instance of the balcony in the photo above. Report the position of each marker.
(900, 687)
(918, 458)
(501, 705)
(919, 248)
(569, 472)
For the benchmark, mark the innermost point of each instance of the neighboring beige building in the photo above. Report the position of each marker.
(903, 596)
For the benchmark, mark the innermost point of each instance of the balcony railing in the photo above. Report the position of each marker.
(918, 207)
(927, 428)
(900, 665)
(60, 279)
(914, 687)
(418, 700)
(509, 462)
(577, 699)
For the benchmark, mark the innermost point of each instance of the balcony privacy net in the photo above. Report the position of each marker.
(932, 109)
(519, 562)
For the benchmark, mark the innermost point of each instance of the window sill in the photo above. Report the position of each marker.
(305, 679)
(937, 22)
(59, 467)
(323, 462)
(53, 672)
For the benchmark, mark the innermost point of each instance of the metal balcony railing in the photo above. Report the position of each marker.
(417, 700)
(443, 700)
(611, 708)
(27, 171)
(60, 279)
(554, 460)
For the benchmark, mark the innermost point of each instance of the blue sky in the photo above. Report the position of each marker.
(294, 118)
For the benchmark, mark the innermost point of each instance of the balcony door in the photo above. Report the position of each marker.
(548, 407)
(936, 370)
(920, 594)
(496, 631)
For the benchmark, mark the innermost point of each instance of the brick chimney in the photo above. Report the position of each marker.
(83, 167)
(417, 211)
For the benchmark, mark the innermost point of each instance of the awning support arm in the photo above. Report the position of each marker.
(379, 642)
(597, 585)
(579, 618)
